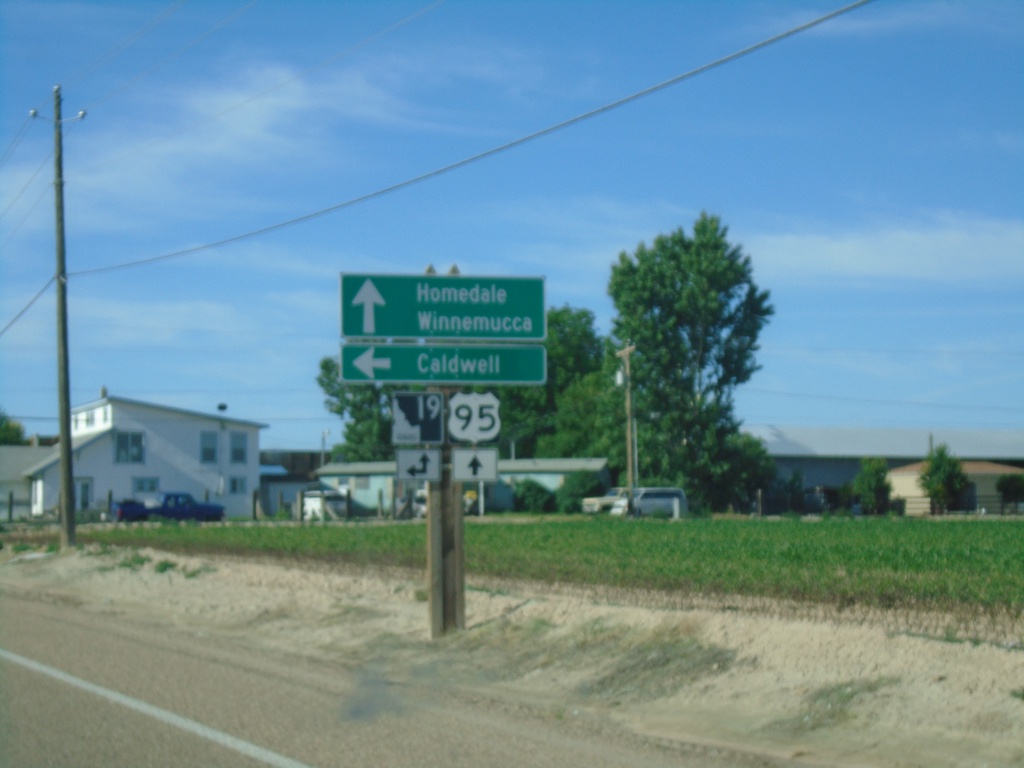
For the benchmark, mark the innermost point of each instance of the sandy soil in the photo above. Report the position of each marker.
(823, 690)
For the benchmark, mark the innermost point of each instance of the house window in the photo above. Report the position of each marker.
(90, 418)
(128, 448)
(236, 485)
(208, 447)
(239, 446)
(145, 484)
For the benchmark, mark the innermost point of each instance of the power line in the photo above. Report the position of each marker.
(98, 62)
(16, 140)
(28, 306)
(482, 155)
(472, 159)
(113, 52)
(142, 75)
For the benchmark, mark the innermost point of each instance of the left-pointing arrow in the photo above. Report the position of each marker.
(369, 364)
(369, 297)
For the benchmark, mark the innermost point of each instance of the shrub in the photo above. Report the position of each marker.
(942, 479)
(531, 496)
(1011, 489)
(873, 486)
(577, 486)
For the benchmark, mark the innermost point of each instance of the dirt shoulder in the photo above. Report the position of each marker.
(821, 690)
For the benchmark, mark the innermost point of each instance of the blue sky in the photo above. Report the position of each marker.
(872, 167)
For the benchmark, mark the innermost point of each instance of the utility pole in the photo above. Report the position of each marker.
(624, 355)
(446, 559)
(67, 484)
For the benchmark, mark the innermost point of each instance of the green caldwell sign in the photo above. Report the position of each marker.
(444, 364)
(453, 307)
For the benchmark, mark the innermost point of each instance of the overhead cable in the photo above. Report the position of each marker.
(166, 60)
(102, 59)
(482, 155)
(28, 306)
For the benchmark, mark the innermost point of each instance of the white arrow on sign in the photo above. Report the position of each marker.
(369, 297)
(369, 364)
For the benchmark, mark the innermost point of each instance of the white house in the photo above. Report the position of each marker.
(125, 448)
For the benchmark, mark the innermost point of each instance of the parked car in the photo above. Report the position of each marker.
(171, 506)
(594, 504)
(330, 503)
(659, 502)
(420, 502)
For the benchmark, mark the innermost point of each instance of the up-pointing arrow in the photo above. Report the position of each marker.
(475, 466)
(369, 297)
(369, 364)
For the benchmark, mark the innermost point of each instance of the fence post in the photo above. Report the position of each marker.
(255, 501)
(300, 500)
(10, 506)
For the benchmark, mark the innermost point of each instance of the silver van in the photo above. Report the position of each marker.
(660, 502)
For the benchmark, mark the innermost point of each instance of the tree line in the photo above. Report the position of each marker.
(689, 305)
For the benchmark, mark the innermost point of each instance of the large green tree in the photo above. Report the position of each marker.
(11, 431)
(366, 411)
(873, 486)
(692, 309)
(530, 414)
(942, 478)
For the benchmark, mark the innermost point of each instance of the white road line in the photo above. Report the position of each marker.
(198, 729)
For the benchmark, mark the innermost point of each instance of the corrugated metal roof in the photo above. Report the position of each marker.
(505, 466)
(556, 466)
(859, 442)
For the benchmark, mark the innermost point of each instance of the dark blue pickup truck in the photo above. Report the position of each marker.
(171, 506)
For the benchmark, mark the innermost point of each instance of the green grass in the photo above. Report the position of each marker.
(885, 563)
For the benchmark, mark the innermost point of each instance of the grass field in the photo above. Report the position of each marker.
(962, 567)
(921, 564)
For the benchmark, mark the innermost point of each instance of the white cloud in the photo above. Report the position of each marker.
(948, 248)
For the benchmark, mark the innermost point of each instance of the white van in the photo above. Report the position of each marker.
(660, 502)
(330, 503)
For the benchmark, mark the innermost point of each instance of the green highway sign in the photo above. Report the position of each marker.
(444, 364)
(455, 307)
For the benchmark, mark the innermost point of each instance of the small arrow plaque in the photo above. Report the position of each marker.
(475, 465)
(422, 465)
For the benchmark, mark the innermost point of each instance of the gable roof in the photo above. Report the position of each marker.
(114, 400)
(16, 459)
(54, 452)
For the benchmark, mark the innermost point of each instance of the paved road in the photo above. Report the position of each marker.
(83, 689)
